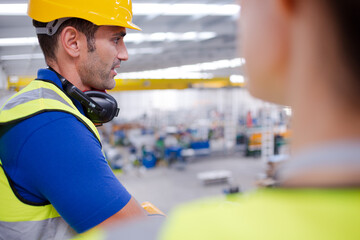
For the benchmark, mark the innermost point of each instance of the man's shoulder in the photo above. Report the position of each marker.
(45, 119)
(44, 123)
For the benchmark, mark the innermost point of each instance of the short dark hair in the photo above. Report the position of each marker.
(49, 44)
(347, 21)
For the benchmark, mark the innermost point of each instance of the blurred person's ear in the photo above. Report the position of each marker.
(266, 37)
(287, 6)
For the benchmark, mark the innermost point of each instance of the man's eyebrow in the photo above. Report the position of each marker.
(119, 34)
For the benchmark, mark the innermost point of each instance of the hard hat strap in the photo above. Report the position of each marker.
(51, 27)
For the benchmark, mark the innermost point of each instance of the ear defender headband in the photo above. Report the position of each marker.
(51, 27)
(99, 107)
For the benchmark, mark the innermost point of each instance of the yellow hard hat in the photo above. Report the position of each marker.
(99, 12)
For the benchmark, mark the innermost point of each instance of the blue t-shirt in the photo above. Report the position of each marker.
(53, 157)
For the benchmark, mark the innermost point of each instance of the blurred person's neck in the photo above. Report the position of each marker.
(322, 113)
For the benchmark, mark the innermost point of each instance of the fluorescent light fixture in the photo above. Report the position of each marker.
(22, 57)
(185, 9)
(136, 51)
(130, 38)
(237, 79)
(152, 9)
(168, 37)
(185, 71)
(166, 74)
(34, 56)
(25, 41)
(13, 9)
(211, 66)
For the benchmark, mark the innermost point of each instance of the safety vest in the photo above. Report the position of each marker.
(272, 214)
(20, 219)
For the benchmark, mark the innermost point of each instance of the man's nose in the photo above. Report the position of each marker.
(123, 53)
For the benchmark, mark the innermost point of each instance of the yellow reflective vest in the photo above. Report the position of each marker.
(18, 218)
(271, 214)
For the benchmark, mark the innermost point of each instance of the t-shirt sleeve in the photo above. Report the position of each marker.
(65, 164)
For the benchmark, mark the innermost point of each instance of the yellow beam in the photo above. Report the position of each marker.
(17, 83)
(153, 84)
(145, 84)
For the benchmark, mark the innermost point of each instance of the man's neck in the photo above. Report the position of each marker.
(69, 73)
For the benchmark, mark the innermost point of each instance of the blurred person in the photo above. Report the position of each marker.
(54, 179)
(304, 54)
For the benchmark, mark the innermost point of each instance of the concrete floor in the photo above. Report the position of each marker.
(167, 187)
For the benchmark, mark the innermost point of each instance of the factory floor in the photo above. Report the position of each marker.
(167, 187)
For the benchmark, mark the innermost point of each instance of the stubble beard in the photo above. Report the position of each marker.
(97, 75)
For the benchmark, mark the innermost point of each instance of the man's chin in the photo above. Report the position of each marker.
(110, 86)
(103, 88)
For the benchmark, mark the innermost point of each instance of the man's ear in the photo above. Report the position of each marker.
(70, 40)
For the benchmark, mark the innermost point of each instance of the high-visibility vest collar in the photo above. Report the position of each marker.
(38, 97)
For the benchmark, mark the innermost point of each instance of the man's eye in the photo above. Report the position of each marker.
(116, 40)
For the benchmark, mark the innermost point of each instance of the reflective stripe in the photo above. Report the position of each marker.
(40, 96)
(22, 221)
(150, 229)
(33, 95)
(36, 84)
(54, 228)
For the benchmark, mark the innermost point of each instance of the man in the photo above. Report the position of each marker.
(54, 179)
(302, 53)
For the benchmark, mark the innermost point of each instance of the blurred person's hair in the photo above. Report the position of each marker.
(347, 22)
(49, 44)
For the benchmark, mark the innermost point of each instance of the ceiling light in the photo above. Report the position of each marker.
(132, 51)
(13, 9)
(168, 36)
(136, 51)
(152, 9)
(130, 38)
(169, 74)
(185, 71)
(185, 9)
(25, 41)
(211, 66)
(237, 79)
(22, 57)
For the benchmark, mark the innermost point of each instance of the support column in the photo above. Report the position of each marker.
(230, 119)
(4, 93)
(3, 79)
(238, 34)
(267, 140)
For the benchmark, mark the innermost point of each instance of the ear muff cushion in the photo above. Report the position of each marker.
(105, 101)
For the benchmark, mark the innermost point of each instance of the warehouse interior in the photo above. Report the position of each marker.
(188, 128)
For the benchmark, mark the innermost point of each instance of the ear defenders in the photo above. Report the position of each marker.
(99, 107)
